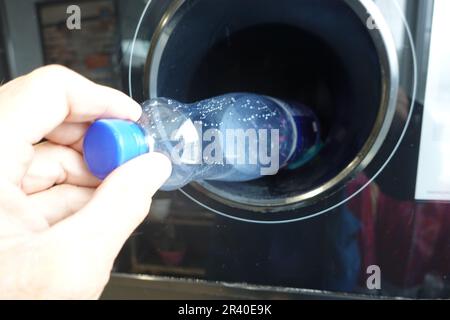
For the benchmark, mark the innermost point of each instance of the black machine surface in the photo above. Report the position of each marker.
(360, 220)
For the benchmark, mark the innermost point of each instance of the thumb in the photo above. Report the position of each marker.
(121, 203)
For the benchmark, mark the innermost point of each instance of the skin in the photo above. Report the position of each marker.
(60, 228)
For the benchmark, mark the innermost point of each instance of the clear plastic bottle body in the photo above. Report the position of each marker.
(234, 137)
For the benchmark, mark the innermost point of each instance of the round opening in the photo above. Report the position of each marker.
(316, 52)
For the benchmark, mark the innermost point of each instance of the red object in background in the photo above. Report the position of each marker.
(408, 240)
(364, 209)
(96, 61)
(172, 258)
(416, 233)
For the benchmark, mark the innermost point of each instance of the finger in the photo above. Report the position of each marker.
(78, 146)
(119, 205)
(59, 202)
(54, 164)
(15, 158)
(34, 105)
(69, 134)
(15, 209)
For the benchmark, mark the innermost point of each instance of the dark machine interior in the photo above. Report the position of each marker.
(279, 48)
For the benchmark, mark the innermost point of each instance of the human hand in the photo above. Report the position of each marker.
(60, 228)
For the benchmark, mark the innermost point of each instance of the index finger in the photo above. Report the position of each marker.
(32, 106)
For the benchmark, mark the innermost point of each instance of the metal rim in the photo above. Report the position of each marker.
(387, 56)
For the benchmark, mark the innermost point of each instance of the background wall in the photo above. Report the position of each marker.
(23, 47)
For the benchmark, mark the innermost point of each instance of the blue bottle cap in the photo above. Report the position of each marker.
(110, 143)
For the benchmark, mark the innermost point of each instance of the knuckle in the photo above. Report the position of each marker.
(55, 69)
(54, 74)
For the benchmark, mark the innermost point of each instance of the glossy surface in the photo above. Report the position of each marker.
(281, 50)
(383, 225)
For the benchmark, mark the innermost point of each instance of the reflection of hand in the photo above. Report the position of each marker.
(403, 104)
(60, 228)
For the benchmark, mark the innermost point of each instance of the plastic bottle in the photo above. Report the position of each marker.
(234, 137)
